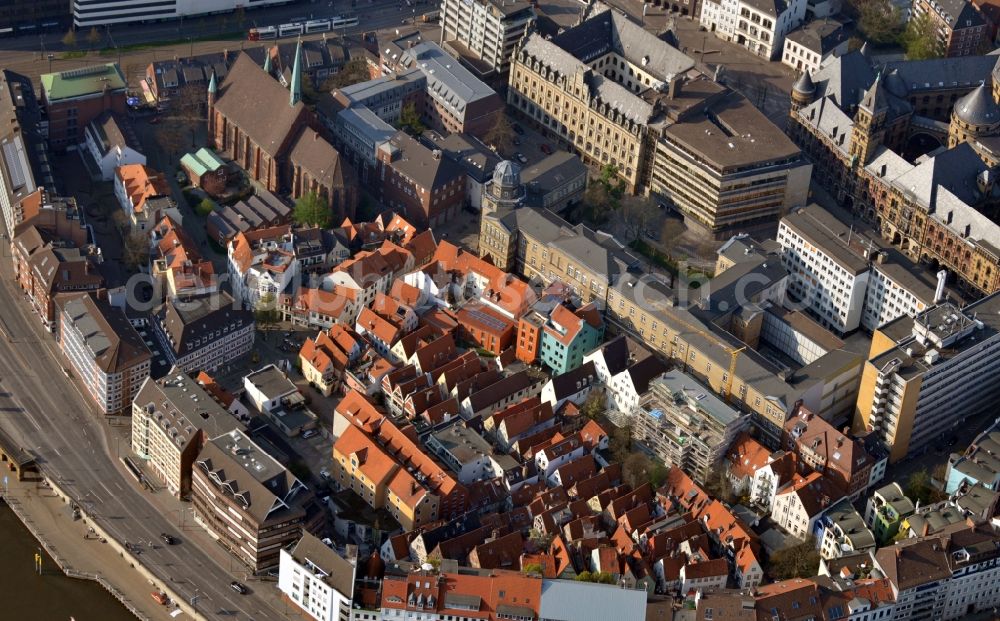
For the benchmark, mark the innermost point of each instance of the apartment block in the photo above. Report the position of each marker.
(251, 504)
(484, 33)
(172, 418)
(927, 374)
(104, 351)
(960, 28)
(318, 579)
(887, 507)
(203, 332)
(684, 424)
(759, 26)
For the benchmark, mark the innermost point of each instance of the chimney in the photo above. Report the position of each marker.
(674, 88)
(942, 278)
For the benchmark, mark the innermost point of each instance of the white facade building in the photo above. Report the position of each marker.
(317, 579)
(110, 142)
(487, 30)
(758, 25)
(844, 278)
(105, 352)
(87, 13)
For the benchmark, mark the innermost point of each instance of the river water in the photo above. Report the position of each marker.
(51, 596)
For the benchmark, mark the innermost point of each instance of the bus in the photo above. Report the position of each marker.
(260, 34)
(318, 25)
(344, 22)
(290, 30)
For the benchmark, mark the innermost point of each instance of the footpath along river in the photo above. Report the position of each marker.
(24, 595)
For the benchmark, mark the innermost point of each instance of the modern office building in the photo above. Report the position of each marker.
(626, 99)
(926, 375)
(90, 13)
(483, 33)
(104, 351)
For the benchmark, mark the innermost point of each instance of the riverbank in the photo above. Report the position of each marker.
(49, 594)
(78, 552)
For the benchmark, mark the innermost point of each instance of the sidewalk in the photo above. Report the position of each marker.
(192, 534)
(66, 540)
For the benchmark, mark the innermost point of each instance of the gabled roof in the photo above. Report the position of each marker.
(257, 104)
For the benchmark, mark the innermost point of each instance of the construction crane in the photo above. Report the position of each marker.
(734, 354)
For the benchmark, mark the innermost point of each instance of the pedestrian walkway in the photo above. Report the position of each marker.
(79, 552)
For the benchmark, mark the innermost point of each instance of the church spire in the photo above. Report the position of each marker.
(267, 60)
(213, 87)
(296, 87)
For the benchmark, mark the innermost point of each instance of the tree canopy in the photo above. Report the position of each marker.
(801, 559)
(920, 39)
(312, 210)
(501, 135)
(880, 21)
(266, 312)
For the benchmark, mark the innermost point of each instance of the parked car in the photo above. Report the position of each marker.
(168, 539)
(516, 141)
(308, 433)
(520, 157)
(546, 149)
(239, 588)
(518, 129)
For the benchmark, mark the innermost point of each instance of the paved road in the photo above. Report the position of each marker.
(44, 409)
(31, 61)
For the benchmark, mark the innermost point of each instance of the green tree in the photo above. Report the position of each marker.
(266, 311)
(620, 442)
(93, 37)
(920, 488)
(601, 577)
(614, 184)
(797, 561)
(533, 568)
(69, 39)
(353, 71)
(880, 21)
(636, 468)
(718, 486)
(501, 135)
(409, 120)
(920, 39)
(638, 213)
(312, 210)
(205, 207)
(135, 250)
(597, 202)
(593, 407)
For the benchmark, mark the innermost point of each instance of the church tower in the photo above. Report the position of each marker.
(213, 88)
(869, 122)
(295, 95)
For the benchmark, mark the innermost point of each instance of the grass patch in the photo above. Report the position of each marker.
(138, 47)
(72, 54)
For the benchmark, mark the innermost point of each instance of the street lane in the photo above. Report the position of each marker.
(43, 408)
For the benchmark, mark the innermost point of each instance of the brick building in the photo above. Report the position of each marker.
(76, 97)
